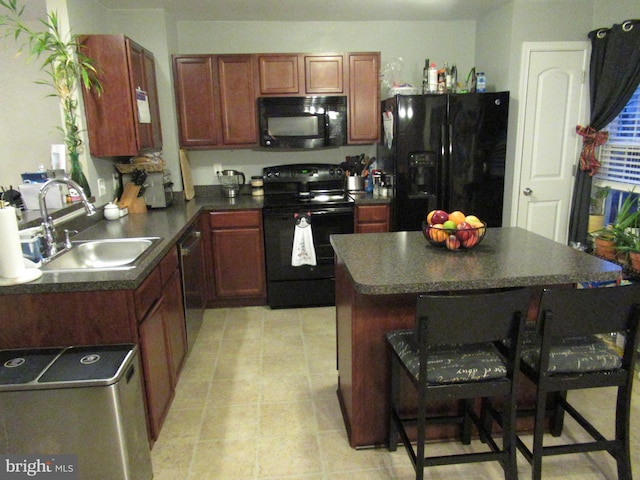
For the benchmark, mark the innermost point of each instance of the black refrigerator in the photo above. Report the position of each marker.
(447, 152)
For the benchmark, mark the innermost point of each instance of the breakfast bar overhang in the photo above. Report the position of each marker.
(379, 275)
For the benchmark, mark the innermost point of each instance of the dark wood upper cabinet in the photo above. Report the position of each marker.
(237, 100)
(216, 94)
(300, 74)
(216, 100)
(279, 74)
(196, 98)
(364, 97)
(324, 74)
(124, 119)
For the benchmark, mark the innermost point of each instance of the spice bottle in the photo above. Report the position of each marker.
(454, 79)
(433, 78)
(425, 77)
(481, 82)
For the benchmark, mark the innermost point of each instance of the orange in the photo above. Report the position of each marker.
(457, 217)
(438, 233)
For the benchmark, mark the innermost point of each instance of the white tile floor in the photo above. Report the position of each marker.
(257, 400)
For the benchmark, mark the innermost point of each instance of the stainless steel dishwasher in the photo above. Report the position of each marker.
(193, 276)
(84, 402)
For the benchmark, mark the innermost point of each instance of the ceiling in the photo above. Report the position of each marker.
(314, 10)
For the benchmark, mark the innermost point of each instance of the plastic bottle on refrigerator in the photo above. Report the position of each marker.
(425, 77)
(433, 78)
(454, 79)
(481, 82)
(442, 81)
(447, 77)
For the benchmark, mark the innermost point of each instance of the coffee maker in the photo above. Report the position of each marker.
(231, 181)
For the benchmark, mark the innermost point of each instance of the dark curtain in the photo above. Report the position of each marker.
(614, 74)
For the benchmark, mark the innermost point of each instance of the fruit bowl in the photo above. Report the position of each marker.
(465, 237)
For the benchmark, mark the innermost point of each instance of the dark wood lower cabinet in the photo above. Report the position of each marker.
(151, 316)
(371, 218)
(157, 368)
(235, 258)
(163, 342)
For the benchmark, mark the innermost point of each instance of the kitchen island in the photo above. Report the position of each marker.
(378, 277)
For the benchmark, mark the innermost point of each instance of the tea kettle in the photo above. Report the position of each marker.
(230, 180)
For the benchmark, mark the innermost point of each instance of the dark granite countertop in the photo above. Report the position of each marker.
(167, 223)
(404, 262)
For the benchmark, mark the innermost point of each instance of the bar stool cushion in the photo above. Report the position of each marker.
(576, 354)
(451, 363)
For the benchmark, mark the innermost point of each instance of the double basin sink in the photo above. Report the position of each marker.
(101, 255)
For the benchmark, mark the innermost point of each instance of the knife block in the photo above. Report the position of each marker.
(130, 199)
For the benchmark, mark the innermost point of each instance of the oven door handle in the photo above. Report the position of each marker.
(330, 211)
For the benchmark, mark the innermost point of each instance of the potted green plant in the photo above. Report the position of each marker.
(620, 235)
(65, 67)
(632, 248)
(596, 208)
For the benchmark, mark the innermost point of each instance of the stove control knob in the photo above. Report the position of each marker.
(331, 171)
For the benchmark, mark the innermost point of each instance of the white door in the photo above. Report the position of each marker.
(554, 99)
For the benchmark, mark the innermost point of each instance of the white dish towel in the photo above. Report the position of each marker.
(303, 252)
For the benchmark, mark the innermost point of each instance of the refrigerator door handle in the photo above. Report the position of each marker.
(450, 142)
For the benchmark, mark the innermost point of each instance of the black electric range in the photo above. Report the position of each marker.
(317, 192)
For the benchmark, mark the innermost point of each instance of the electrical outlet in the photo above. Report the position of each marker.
(116, 182)
(217, 167)
(102, 187)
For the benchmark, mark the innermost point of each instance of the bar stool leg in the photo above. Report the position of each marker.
(623, 417)
(395, 395)
(509, 442)
(558, 414)
(538, 434)
(465, 429)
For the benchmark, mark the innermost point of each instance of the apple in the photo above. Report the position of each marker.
(479, 226)
(470, 242)
(464, 231)
(452, 242)
(472, 219)
(439, 216)
(450, 226)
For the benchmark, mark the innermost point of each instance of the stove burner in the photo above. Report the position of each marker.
(304, 184)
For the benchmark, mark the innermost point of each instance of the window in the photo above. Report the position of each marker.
(620, 156)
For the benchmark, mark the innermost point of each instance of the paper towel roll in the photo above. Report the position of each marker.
(11, 263)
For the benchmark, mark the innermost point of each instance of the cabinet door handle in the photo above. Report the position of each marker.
(527, 192)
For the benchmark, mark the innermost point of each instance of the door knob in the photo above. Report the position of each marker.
(528, 192)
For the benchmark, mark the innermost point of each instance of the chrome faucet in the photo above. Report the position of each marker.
(49, 231)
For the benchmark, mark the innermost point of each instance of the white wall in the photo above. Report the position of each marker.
(493, 44)
(27, 116)
(441, 42)
(501, 49)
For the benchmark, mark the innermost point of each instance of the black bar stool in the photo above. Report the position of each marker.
(568, 354)
(463, 347)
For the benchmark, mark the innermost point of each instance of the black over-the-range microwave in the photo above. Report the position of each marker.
(303, 122)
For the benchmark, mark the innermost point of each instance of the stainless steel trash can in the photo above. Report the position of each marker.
(84, 401)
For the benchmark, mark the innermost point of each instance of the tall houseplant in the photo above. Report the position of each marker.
(623, 230)
(596, 208)
(65, 67)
